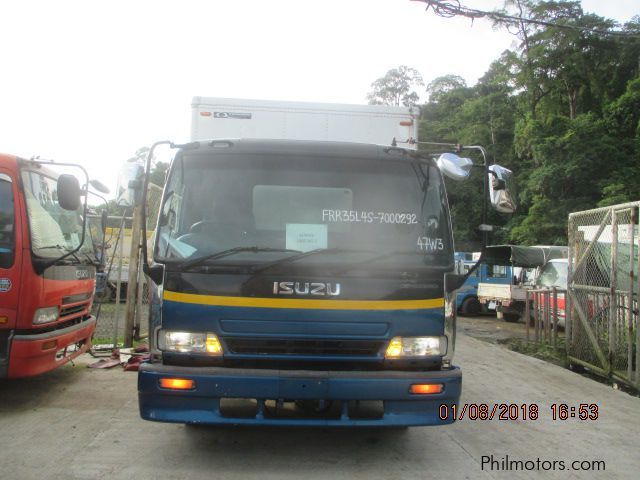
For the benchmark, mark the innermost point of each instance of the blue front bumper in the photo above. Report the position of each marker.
(213, 384)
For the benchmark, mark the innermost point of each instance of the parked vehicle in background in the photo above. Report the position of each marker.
(47, 268)
(306, 277)
(554, 275)
(467, 301)
(511, 298)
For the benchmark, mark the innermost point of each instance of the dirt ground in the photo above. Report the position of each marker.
(81, 423)
(490, 329)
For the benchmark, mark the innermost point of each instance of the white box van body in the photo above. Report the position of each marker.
(214, 118)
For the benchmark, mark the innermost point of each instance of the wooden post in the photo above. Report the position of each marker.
(527, 312)
(554, 339)
(116, 310)
(132, 285)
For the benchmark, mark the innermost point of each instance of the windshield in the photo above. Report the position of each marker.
(54, 231)
(554, 274)
(349, 209)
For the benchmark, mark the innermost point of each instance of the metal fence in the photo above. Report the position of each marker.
(110, 305)
(602, 331)
(545, 315)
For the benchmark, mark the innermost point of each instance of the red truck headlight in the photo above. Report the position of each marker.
(45, 315)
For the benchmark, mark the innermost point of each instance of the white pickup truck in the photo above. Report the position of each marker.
(510, 299)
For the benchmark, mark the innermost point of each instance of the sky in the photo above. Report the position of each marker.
(91, 81)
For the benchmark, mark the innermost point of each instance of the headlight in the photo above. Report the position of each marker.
(403, 347)
(189, 342)
(45, 315)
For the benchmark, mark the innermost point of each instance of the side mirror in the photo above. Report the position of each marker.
(69, 192)
(454, 167)
(501, 189)
(129, 189)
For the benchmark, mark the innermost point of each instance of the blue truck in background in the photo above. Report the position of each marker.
(467, 302)
(306, 281)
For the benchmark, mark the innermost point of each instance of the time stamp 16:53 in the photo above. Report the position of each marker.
(518, 411)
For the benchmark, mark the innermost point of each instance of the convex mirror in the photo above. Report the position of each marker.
(502, 189)
(454, 167)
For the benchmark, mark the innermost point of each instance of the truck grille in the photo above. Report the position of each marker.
(271, 346)
(68, 311)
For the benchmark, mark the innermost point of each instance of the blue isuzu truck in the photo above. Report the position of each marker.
(304, 281)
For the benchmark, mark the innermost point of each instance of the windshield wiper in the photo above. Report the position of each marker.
(63, 248)
(67, 249)
(225, 253)
(293, 258)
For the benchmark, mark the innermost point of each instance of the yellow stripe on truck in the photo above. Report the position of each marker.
(219, 301)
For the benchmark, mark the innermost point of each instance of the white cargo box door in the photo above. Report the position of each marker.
(229, 118)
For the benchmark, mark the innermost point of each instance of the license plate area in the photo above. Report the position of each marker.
(303, 388)
(287, 409)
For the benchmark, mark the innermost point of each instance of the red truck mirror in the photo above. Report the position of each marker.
(69, 192)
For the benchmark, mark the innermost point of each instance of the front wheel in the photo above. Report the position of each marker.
(511, 317)
(470, 306)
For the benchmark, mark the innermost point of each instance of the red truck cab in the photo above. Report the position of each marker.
(47, 278)
(554, 274)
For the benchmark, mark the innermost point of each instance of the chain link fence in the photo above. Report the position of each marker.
(111, 285)
(602, 305)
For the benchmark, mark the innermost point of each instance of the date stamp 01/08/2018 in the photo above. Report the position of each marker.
(518, 411)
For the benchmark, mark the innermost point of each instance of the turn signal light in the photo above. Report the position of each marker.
(177, 384)
(49, 344)
(426, 388)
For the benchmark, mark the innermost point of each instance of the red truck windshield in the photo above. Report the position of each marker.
(54, 231)
(217, 202)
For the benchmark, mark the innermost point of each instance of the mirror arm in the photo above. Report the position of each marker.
(454, 281)
(103, 227)
(485, 189)
(143, 216)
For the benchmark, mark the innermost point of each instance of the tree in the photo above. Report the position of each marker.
(440, 86)
(158, 169)
(397, 87)
(158, 173)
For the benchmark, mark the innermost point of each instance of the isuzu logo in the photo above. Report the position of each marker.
(319, 289)
(82, 274)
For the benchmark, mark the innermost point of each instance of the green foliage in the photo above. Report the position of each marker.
(562, 110)
(397, 87)
(158, 173)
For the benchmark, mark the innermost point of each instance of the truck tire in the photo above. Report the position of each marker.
(511, 317)
(470, 306)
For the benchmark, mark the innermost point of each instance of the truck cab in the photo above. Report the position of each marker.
(467, 301)
(306, 276)
(553, 276)
(293, 272)
(46, 292)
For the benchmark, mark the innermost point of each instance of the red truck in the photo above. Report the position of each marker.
(47, 269)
